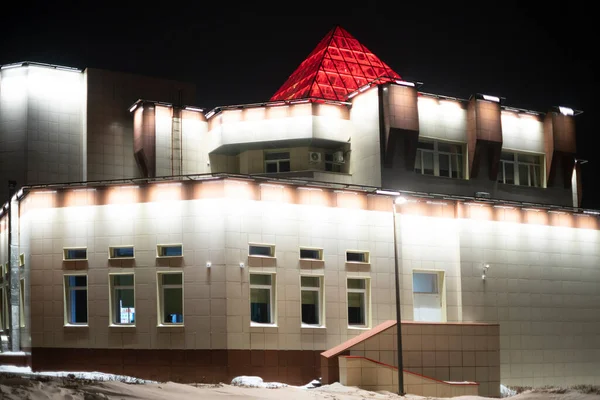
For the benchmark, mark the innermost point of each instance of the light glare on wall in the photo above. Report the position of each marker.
(566, 110)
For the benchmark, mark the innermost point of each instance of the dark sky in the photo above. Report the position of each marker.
(535, 56)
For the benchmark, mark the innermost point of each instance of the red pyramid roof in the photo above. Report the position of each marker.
(338, 66)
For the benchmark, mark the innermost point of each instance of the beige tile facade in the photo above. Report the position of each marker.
(215, 222)
(371, 375)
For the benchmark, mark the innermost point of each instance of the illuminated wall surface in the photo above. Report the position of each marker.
(542, 285)
(41, 119)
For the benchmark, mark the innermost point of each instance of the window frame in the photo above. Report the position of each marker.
(3, 307)
(66, 289)
(516, 163)
(329, 163)
(160, 298)
(436, 158)
(22, 302)
(270, 246)
(112, 288)
(320, 298)
(272, 298)
(366, 253)
(163, 245)
(319, 251)
(67, 249)
(277, 161)
(367, 296)
(425, 272)
(112, 248)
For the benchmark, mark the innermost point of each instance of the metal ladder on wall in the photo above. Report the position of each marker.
(176, 147)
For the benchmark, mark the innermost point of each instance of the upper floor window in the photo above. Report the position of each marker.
(277, 161)
(440, 159)
(334, 161)
(520, 169)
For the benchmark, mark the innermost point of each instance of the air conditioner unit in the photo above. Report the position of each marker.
(314, 156)
(483, 195)
(338, 157)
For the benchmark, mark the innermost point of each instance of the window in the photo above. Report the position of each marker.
(425, 283)
(74, 254)
(428, 296)
(520, 169)
(311, 293)
(277, 161)
(261, 250)
(358, 302)
(262, 299)
(356, 256)
(440, 159)
(169, 250)
(22, 303)
(121, 252)
(3, 308)
(330, 164)
(122, 299)
(21, 260)
(170, 296)
(76, 308)
(311, 254)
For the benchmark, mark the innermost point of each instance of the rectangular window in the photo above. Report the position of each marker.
(311, 293)
(311, 254)
(22, 303)
(122, 299)
(331, 164)
(262, 298)
(75, 254)
(76, 307)
(425, 283)
(170, 298)
(2, 309)
(121, 252)
(520, 169)
(21, 260)
(169, 250)
(277, 161)
(428, 296)
(261, 250)
(358, 302)
(357, 256)
(440, 159)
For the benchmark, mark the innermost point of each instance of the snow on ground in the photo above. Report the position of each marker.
(17, 383)
(96, 376)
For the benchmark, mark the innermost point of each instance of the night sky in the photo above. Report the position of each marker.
(535, 57)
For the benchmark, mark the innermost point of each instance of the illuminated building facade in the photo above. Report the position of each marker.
(247, 239)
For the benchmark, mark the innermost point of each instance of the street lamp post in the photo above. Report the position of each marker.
(398, 200)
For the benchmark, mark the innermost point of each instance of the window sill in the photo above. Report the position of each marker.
(170, 325)
(158, 257)
(76, 326)
(257, 256)
(359, 328)
(307, 326)
(75, 259)
(311, 259)
(121, 326)
(259, 325)
(125, 258)
(358, 263)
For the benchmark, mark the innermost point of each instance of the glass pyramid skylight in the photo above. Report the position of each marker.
(336, 67)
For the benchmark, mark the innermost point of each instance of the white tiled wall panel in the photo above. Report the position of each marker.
(522, 132)
(442, 119)
(365, 156)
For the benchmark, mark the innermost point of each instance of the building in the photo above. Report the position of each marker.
(248, 239)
